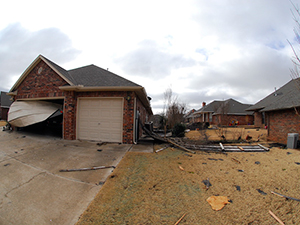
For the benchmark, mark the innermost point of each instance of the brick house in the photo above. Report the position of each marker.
(226, 113)
(5, 103)
(279, 112)
(97, 104)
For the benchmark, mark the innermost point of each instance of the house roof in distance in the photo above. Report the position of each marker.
(288, 96)
(229, 106)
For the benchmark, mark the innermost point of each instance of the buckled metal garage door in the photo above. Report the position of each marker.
(100, 119)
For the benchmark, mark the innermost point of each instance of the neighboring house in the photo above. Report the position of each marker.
(96, 104)
(188, 117)
(279, 111)
(228, 113)
(5, 103)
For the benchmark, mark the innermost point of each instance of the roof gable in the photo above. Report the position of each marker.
(288, 96)
(60, 71)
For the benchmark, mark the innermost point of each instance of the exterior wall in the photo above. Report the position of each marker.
(41, 85)
(144, 115)
(282, 122)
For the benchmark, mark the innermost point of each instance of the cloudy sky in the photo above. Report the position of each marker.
(202, 50)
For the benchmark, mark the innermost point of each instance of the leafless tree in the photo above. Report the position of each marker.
(173, 111)
(296, 60)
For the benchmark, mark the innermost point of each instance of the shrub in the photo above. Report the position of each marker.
(178, 130)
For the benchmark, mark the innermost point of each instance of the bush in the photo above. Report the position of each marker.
(178, 130)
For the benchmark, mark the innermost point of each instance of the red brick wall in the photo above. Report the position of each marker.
(258, 119)
(41, 85)
(282, 122)
(144, 115)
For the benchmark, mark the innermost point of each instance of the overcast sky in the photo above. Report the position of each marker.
(204, 50)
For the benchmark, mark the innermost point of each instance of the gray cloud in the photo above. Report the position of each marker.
(150, 59)
(19, 47)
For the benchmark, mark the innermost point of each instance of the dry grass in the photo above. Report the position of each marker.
(150, 188)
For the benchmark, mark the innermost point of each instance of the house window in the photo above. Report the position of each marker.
(210, 117)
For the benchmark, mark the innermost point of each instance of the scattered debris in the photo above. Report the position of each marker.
(241, 171)
(235, 160)
(160, 149)
(85, 169)
(261, 192)
(298, 163)
(7, 164)
(257, 162)
(222, 147)
(238, 188)
(276, 218)
(217, 202)
(288, 153)
(99, 150)
(207, 183)
(188, 155)
(241, 148)
(284, 196)
(267, 149)
(181, 168)
(212, 159)
(178, 221)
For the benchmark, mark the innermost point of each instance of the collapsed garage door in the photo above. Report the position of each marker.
(100, 119)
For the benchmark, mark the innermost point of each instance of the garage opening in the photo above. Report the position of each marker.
(38, 117)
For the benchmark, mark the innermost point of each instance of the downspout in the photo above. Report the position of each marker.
(134, 122)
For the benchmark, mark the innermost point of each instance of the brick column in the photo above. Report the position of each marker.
(69, 126)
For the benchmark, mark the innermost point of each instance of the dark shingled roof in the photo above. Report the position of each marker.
(288, 96)
(229, 106)
(92, 76)
(95, 76)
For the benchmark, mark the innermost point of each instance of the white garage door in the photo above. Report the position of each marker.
(100, 119)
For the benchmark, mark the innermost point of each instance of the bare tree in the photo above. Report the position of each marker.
(173, 111)
(296, 59)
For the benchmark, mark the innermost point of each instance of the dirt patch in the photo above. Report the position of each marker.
(153, 189)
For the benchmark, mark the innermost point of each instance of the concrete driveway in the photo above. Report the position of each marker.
(33, 191)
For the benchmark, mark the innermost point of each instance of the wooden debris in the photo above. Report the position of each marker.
(241, 148)
(183, 148)
(284, 196)
(235, 160)
(222, 147)
(86, 169)
(180, 167)
(161, 149)
(265, 148)
(276, 218)
(178, 221)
